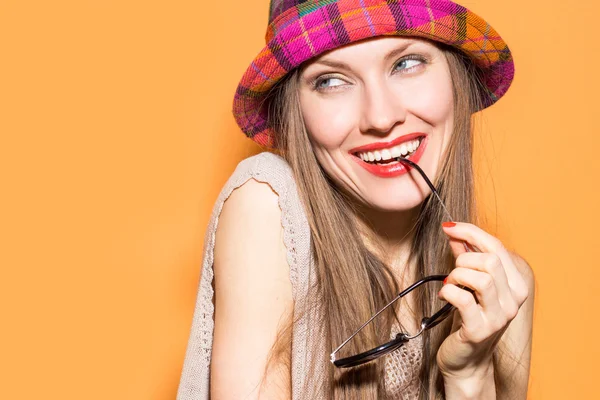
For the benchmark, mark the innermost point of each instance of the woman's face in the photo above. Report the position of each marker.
(379, 98)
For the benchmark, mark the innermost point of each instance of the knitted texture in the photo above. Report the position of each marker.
(402, 368)
(402, 365)
(300, 30)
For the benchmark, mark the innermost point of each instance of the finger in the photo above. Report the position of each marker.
(482, 283)
(475, 236)
(491, 264)
(459, 247)
(465, 303)
(487, 244)
(456, 246)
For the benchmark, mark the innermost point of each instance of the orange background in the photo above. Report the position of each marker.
(116, 136)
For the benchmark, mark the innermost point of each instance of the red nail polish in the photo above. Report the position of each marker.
(448, 224)
(445, 280)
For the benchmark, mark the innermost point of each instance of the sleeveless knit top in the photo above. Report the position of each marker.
(402, 366)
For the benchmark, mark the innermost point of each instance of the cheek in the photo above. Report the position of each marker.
(329, 122)
(431, 99)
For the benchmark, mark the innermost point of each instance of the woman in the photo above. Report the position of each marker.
(335, 221)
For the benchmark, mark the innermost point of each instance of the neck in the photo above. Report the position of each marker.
(389, 235)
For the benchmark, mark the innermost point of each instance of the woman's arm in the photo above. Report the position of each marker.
(514, 362)
(253, 297)
(500, 310)
(513, 367)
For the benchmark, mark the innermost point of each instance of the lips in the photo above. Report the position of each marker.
(391, 170)
(387, 145)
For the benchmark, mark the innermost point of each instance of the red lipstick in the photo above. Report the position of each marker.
(395, 169)
(386, 145)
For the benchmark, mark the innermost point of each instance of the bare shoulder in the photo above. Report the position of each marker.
(252, 198)
(249, 230)
(253, 295)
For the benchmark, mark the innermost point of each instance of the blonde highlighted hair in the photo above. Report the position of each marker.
(352, 282)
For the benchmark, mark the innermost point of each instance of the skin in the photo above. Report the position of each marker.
(370, 92)
(375, 96)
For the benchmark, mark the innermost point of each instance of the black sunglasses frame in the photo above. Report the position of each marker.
(401, 338)
(426, 323)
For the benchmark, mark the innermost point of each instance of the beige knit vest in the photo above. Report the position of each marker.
(402, 366)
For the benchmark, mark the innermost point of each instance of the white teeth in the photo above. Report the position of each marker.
(403, 149)
(396, 151)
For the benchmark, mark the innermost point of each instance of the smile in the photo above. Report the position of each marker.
(384, 162)
(382, 156)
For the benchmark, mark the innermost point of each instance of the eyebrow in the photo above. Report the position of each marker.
(342, 65)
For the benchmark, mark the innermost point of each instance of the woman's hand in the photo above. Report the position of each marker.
(499, 290)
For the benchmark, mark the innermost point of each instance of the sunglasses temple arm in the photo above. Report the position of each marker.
(467, 246)
(448, 307)
(363, 325)
(434, 319)
(433, 189)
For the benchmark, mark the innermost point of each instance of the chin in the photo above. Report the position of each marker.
(391, 204)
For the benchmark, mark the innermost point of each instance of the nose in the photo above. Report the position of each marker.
(382, 108)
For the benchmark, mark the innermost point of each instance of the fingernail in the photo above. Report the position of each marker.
(448, 224)
(445, 280)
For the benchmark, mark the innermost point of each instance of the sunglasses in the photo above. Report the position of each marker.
(426, 323)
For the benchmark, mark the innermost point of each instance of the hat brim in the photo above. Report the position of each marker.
(298, 36)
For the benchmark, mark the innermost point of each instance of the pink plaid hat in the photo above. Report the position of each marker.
(299, 30)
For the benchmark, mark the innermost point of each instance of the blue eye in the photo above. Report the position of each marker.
(319, 82)
(409, 63)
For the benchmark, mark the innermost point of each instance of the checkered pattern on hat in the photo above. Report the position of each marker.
(301, 30)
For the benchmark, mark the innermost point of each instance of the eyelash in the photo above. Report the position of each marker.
(411, 57)
(317, 81)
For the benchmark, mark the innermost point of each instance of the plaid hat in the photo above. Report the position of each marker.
(299, 30)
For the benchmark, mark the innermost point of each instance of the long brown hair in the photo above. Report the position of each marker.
(352, 283)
